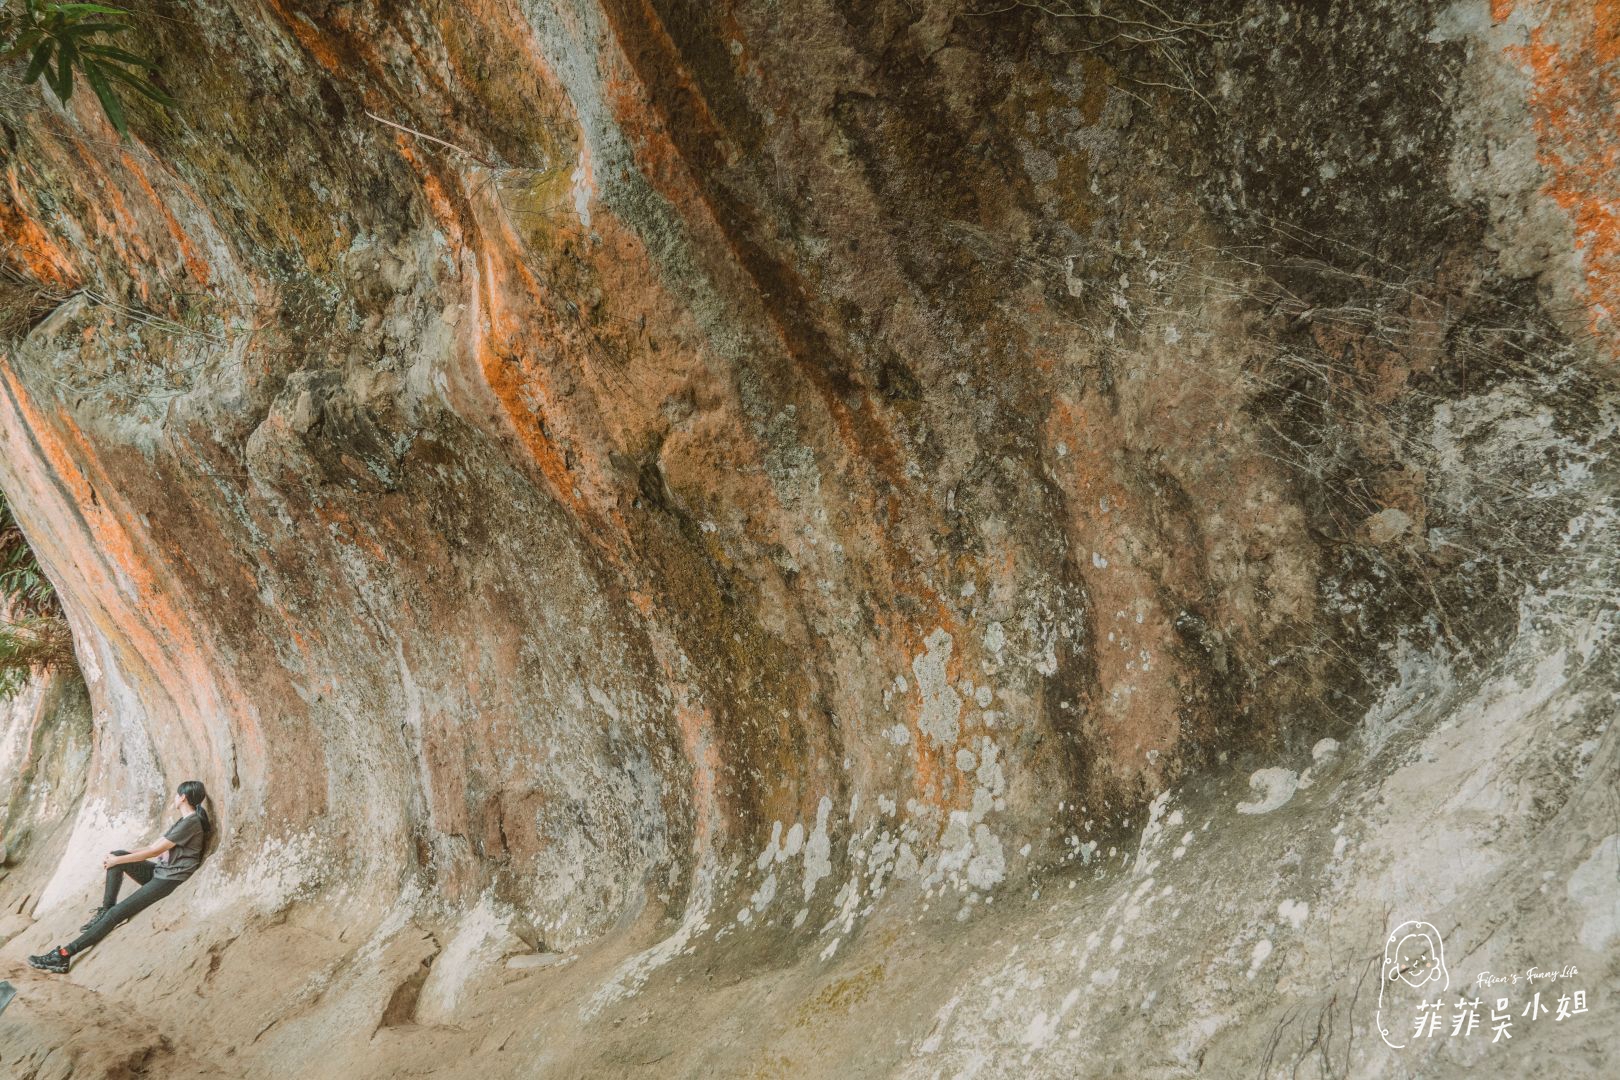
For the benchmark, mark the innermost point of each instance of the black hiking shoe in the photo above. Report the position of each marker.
(52, 961)
(99, 912)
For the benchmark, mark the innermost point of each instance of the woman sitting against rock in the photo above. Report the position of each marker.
(177, 856)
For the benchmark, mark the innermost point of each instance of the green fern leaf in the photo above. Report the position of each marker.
(109, 100)
(141, 85)
(42, 57)
(120, 55)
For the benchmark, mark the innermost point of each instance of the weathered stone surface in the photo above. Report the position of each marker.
(799, 507)
(45, 747)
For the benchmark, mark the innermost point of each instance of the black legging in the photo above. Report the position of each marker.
(151, 891)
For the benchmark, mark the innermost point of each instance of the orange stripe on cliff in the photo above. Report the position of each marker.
(1573, 51)
(149, 616)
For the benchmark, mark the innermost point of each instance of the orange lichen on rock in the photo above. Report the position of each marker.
(196, 265)
(28, 244)
(135, 606)
(1572, 54)
(908, 440)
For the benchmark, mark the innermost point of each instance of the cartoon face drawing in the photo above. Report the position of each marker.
(1416, 960)
(1414, 956)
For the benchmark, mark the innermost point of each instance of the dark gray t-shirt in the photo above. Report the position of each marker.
(180, 861)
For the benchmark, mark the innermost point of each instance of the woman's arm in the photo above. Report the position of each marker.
(138, 856)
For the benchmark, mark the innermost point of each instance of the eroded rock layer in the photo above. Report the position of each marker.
(650, 481)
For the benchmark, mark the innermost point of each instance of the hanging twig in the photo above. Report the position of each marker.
(432, 139)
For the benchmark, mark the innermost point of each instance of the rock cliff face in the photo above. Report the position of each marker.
(741, 499)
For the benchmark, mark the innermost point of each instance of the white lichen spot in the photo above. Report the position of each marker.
(1047, 664)
(764, 894)
(1262, 950)
(817, 850)
(581, 186)
(1040, 1031)
(988, 866)
(773, 851)
(1274, 787)
(941, 705)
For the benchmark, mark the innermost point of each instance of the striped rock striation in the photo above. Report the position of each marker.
(691, 488)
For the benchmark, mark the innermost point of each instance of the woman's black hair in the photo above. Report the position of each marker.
(195, 794)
